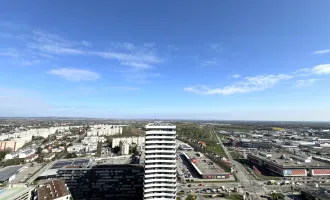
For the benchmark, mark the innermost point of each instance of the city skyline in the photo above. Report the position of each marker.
(166, 60)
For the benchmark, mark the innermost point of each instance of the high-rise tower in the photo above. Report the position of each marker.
(160, 162)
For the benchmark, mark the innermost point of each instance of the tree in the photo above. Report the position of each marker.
(71, 155)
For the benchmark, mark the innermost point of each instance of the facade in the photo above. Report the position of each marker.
(315, 194)
(124, 148)
(13, 145)
(160, 161)
(291, 165)
(129, 140)
(105, 130)
(117, 182)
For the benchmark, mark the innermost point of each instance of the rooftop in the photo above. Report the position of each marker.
(52, 190)
(12, 192)
(160, 124)
(205, 165)
(321, 193)
(7, 172)
(287, 159)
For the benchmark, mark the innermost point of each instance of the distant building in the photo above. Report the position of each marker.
(115, 181)
(53, 190)
(13, 145)
(105, 130)
(26, 153)
(129, 140)
(31, 158)
(124, 148)
(76, 147)
(49, 157)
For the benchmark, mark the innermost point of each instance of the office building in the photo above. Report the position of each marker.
(104, 181)
(160, 161)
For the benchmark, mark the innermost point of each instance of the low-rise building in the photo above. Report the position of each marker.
(31, 158)
(49, 157)
(26, 153)
(16, 192)
(7, 174)
(76, 147)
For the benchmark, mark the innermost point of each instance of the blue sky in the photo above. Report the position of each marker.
(234, 60)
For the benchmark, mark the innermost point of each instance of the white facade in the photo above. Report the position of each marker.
(76, 148)
(105, 130)
(160, 162)
(124, 148)
(129, 140)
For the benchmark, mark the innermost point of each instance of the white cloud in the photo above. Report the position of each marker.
(236, 76)
(320, 52)
(54, 44)
(215, 46)
(248, 84)
(86, 43)
(304, 83)
(124, 88)
(73, 74)
(209, 62)
(135, 60)
(321, 69)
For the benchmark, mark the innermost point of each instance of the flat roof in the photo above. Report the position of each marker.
(52, 190)
(204, 165)
(12, 192)
(318, 193)
(76, 162)
(289, 160)
(160, 124)
(7, 172)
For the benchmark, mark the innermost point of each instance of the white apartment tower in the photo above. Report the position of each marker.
(160, 162)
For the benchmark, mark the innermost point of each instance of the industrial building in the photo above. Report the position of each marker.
(160, 161)
(205, 168)
(286, 164)
(7, 174)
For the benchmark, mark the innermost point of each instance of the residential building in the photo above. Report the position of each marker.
(76, 147)
(31, 158)
(105, 130)
(53, 190)
(26, 153)
(49, 157)
(129, 140)
(160, 161)
(12, 145)
(124, 148)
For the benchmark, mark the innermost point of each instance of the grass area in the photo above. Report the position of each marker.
(217, 148)
(231, 128)
(277, 129)
(191, 197)
(234, 197)
(178, 198)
